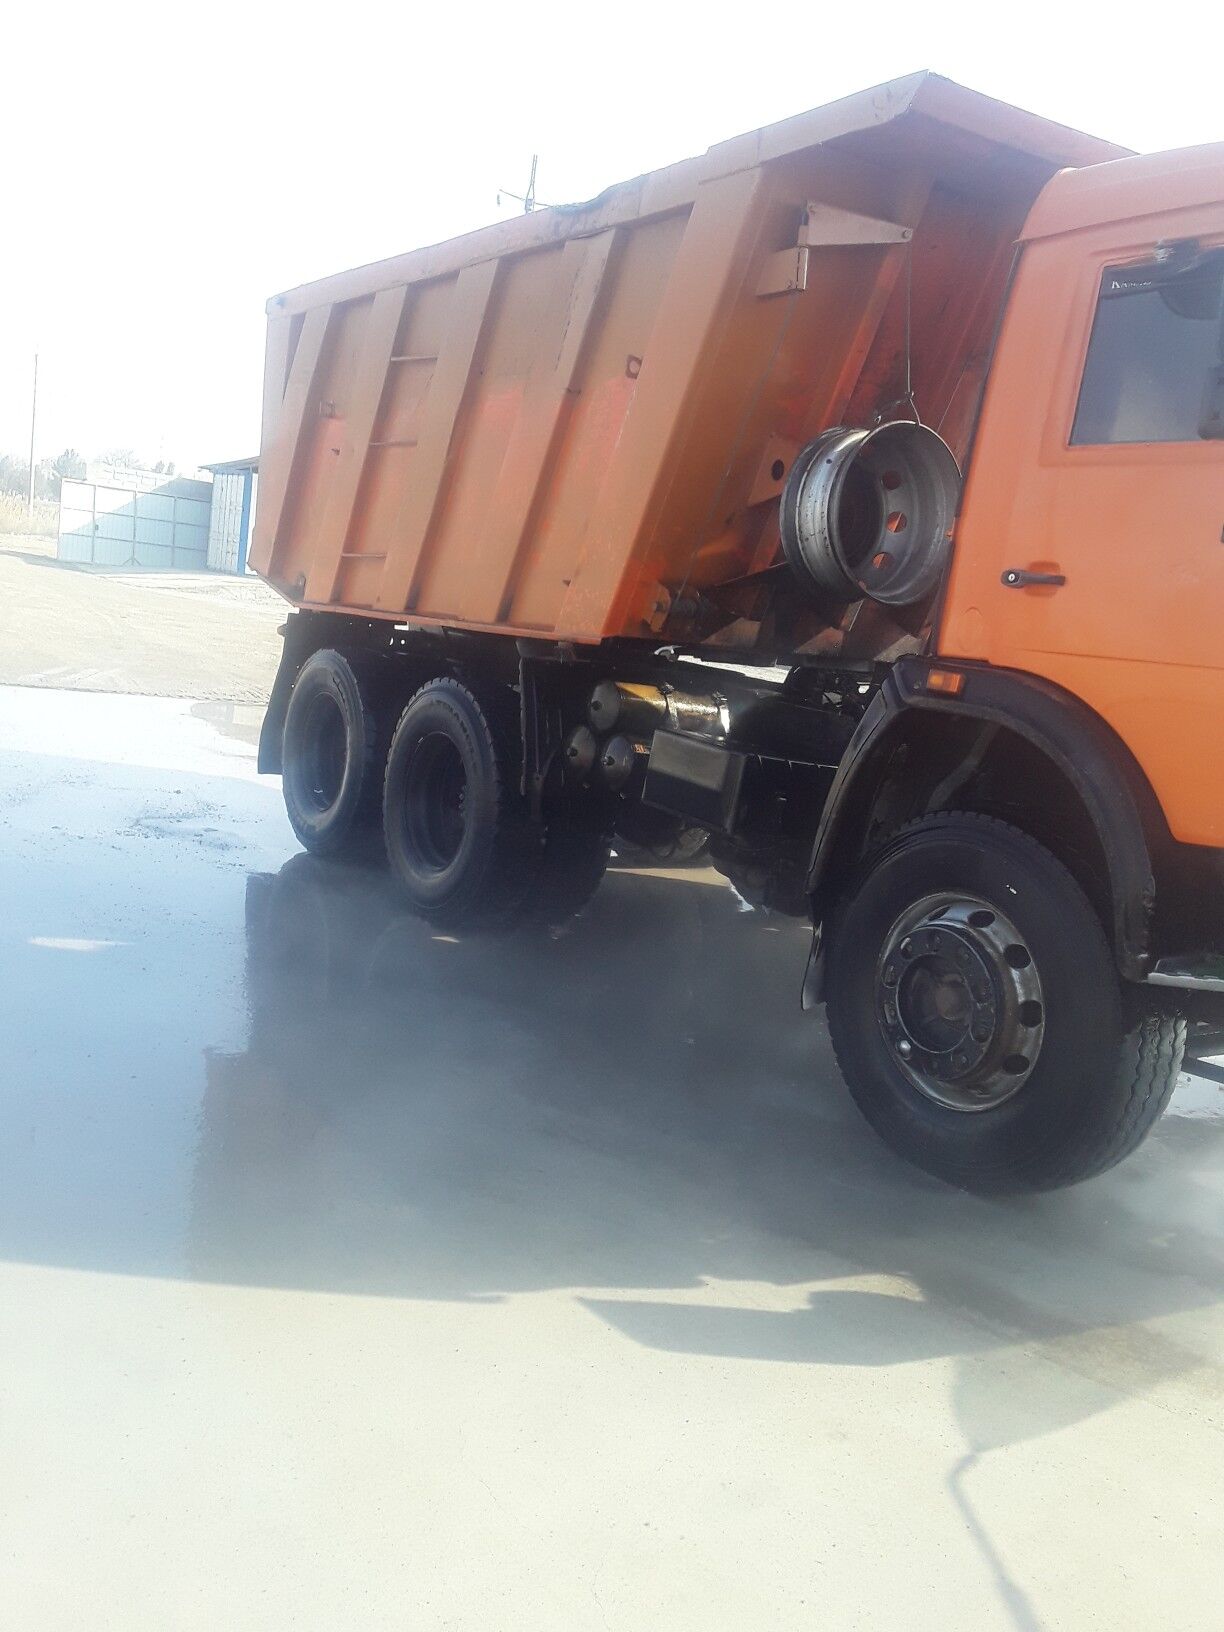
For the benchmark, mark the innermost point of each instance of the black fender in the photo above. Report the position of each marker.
(301, 637)
(1088, 753)
(379, 652)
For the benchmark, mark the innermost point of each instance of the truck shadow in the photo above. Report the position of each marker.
(637, 1112)
(638, 1107)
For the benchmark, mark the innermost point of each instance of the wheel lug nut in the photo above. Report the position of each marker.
(890, 975)
(904, 1046)
(907, 948)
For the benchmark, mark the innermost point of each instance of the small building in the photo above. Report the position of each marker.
(233, 509)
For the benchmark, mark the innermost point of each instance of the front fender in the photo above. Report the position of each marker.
(1088, 753)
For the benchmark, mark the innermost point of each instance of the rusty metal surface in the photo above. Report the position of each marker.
(577, 424)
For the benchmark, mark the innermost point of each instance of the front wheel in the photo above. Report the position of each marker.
(977, 1016)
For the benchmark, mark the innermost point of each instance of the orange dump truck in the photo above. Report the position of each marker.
(852, 495)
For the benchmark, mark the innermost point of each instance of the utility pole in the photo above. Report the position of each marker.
(33, 423)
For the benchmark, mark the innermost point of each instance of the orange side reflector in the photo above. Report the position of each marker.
(946, 681)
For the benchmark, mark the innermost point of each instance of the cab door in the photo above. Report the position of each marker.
(1091, 544)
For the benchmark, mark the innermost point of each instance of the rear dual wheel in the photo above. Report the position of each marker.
(442, 798)
(458, 833)
(331, 759)
(977, 1016)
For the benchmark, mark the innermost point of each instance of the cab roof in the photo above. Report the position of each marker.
(1128, 188)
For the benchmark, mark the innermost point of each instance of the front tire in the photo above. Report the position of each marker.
(978, 1018)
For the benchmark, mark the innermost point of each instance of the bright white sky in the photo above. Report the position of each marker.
(183, 162)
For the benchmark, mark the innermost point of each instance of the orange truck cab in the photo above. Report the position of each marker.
(1091, 465)
(845, 508)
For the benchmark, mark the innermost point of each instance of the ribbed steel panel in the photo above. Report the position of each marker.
(148, 520)
(225, 522)
(579, 424)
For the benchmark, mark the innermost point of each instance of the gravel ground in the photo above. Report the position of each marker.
(201, 635)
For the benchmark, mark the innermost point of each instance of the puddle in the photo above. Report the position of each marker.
(1198, 1097)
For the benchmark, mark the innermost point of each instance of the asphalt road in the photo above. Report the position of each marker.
(360, 1276)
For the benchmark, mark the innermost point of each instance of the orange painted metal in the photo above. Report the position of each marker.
(576, 423)
(1136, 529)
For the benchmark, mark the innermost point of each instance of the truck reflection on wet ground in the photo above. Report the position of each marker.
(635, 1103)
(634, 1111)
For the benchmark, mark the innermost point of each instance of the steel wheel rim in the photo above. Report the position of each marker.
(959, 1002)
(435, 802)
(325, 753)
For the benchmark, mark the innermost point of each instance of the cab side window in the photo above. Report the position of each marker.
(1154, 352)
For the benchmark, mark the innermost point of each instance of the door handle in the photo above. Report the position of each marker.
(1021, 578)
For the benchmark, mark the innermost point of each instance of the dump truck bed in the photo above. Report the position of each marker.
(577, 424)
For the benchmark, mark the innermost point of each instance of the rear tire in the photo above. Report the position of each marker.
(965, 941)
(458, 833)
(455, 827)
(330, 771)
(571, 868)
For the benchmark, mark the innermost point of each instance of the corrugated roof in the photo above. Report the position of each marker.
(228, 465)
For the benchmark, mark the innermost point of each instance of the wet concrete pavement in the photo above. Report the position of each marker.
(357, 1275)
